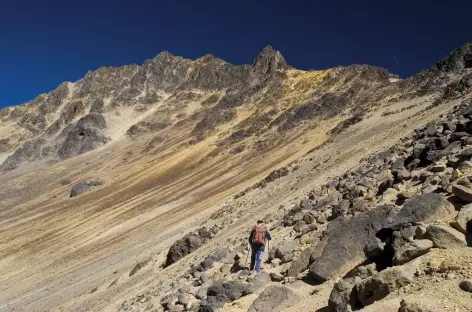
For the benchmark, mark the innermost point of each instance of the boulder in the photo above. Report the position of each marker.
(183, 247)
(445, 237)
(425, 208)
(383, 283)
(412, 307)
(84, 187)
(343, 297)
(465, 214)
(284, 249)
(462, 192)
(260, 280)
(301, 263)
(410, 251)
(273, 299)
(233, 290)
(342, 248)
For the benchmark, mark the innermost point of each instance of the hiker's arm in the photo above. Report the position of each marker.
(267, 235)
(250, 236)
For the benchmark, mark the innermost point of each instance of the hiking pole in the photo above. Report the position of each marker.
(247, 256)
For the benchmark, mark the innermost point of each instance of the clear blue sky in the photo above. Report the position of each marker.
(46, 42)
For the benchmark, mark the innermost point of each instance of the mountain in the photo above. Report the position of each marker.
(106, 173)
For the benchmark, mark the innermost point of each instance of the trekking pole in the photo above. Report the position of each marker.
(247, 256)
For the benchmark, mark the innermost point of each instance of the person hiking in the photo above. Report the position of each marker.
(257, 240)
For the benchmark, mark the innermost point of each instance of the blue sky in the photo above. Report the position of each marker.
(46, 42)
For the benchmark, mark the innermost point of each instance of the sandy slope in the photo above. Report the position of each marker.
(56, 250)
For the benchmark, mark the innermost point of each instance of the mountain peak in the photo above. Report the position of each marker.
(269, 60)
(457, 60)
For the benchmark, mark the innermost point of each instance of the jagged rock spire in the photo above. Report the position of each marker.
(269, 61)
(457, 60)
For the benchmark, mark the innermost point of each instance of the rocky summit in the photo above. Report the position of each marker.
(135, 188)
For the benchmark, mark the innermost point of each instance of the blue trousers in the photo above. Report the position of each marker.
(256, 259)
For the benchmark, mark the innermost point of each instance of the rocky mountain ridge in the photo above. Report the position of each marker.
(169, 94)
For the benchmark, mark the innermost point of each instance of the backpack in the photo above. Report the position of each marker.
(259, 235)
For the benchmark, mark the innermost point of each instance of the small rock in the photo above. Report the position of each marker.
(321, 219)
(276, 261)
(276, 277)
(226, 269)
(205, 277)
(466, 285)
(389, 195)
(412, 307)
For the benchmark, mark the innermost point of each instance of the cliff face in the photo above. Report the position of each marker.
(169, 96)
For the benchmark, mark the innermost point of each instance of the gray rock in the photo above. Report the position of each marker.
(183, 247)
(301, 263)
(343, 297)
(438, 168)
(84, 187)
(321, 219)
(445, 237)
(342, 248)
(412, 307)
(425, 208)
(233, 290)
(466, 285)
(273, 299)
(309, 218)
(381, 284)
(412, 250)
(205, 277)
(260, 280)
(276, 277)
(465, 214)
(202, 291)
(462, 192)
(283, 249)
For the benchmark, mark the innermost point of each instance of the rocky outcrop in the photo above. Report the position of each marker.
(345, 241)
(189, 243)
(85, 187)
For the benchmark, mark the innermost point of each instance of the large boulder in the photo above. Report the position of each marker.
(84, 187)
(412, 250)
(383, 283)
(284, 250)
(343, 297)
(425, 208)
(221, 292)
(344, 242)
(183, 247)
(445, 237)
(301, 263)
(273, 299)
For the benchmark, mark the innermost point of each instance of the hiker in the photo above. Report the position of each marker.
(257, 240)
